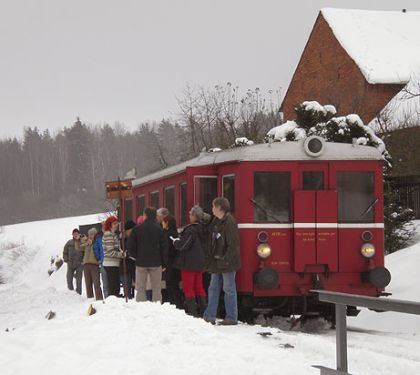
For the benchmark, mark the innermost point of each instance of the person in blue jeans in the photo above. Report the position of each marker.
(99, 254)
(223, 262)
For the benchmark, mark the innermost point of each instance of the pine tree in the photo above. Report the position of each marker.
(78, 137)
(399, 227)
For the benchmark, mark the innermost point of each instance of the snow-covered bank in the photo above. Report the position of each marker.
(405, 270)
(26, 248)
(149, 338)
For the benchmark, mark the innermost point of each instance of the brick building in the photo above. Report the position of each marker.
(356, 60)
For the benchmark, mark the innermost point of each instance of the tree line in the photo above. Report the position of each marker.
(46, 175)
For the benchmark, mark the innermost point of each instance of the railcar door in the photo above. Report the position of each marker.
(315, 219)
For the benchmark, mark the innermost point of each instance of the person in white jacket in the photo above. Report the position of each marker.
(112, 255)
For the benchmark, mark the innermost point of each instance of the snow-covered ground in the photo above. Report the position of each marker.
(153, 339)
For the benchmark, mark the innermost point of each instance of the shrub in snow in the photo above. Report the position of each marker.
(313, 118)
(55, 264)
(214, 149)
(311, 114)
(242, 141)
(289, 131)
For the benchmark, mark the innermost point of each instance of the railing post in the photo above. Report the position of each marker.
(341, 337)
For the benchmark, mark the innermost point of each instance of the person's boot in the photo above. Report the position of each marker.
(191, 306)
(202, 305)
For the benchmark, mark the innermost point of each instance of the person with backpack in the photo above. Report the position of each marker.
(91, 267)
(99, 254)
(191, 261)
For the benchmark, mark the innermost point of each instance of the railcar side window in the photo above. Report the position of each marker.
(183, 204)
(229, 190)
(272, 197)
(141, 204)
(313, 180)
(355, 197)
(205, 191)
(169, 198)
(154, 199)
(128, 209)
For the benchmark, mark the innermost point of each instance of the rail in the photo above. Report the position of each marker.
(341, 301)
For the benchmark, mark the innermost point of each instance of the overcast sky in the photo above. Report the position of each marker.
(108, 61)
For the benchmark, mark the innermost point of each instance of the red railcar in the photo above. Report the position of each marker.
(310, 215)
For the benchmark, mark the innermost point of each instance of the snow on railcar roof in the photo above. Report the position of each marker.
(385, 45)
(276, 151)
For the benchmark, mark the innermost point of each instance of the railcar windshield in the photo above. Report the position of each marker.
(272, 197)
(355, 195)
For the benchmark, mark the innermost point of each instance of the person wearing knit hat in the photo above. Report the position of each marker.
(112, 255)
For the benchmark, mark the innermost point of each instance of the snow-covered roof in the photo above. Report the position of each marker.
(269, 152)
(385, 45)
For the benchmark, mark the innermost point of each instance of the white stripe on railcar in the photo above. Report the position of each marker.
(309, 225)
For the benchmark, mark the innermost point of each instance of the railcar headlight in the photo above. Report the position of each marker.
(264, 250)
(367, 250)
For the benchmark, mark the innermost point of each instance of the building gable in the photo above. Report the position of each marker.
(328, 74)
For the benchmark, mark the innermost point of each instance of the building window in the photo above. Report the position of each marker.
(356, 198)
(154, 199)
(205, 191)
(272, 197)
(169, 198)
(141, 205)
(183, 204)
(313, 181)
(228, 188)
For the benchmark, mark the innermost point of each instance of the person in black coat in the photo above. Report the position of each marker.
(172, 275)
(148, 247)
(190, 259)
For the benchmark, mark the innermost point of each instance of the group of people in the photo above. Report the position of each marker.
(153, 251)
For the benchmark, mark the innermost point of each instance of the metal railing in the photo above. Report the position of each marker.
(341, 301)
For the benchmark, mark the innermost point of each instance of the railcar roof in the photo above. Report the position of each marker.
(277, 151)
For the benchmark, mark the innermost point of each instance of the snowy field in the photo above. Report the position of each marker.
(151, 339)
